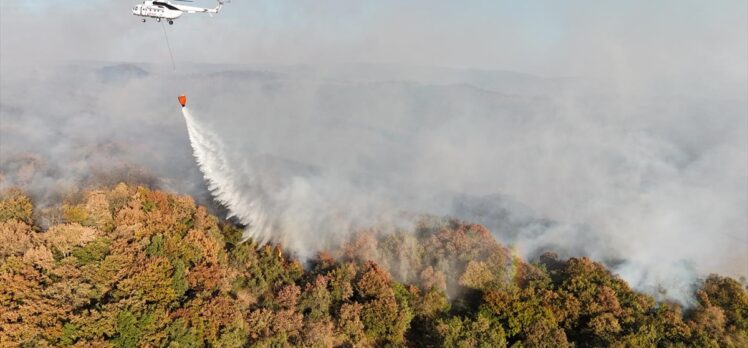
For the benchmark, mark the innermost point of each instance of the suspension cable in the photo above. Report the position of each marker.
(168, 45)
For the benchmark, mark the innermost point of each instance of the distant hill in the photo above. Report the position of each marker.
(120, 72)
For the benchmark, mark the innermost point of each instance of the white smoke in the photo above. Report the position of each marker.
(588, 175)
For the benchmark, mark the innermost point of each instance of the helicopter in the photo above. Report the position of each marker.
(166, 10)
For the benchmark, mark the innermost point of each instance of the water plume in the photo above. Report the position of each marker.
(224, 182)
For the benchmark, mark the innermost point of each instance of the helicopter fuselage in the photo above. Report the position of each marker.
(158, 10)
(169, 11)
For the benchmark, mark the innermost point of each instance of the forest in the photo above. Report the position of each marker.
(129, 266)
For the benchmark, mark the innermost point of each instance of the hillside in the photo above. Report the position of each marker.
(129, 266)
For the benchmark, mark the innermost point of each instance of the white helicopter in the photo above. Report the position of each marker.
(165, 10)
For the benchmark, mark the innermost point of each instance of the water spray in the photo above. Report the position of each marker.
(236, 192)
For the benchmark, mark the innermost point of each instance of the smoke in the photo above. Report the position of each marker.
(627, 144)
(654, 186)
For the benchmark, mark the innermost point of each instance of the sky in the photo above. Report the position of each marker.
(550, 38)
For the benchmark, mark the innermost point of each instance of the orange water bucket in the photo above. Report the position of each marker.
(182, 100)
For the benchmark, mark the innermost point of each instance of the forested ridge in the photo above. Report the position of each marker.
(134, 267)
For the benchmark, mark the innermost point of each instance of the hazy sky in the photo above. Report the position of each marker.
(556, 38)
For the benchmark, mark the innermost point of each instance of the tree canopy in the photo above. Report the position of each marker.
(132, 267)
